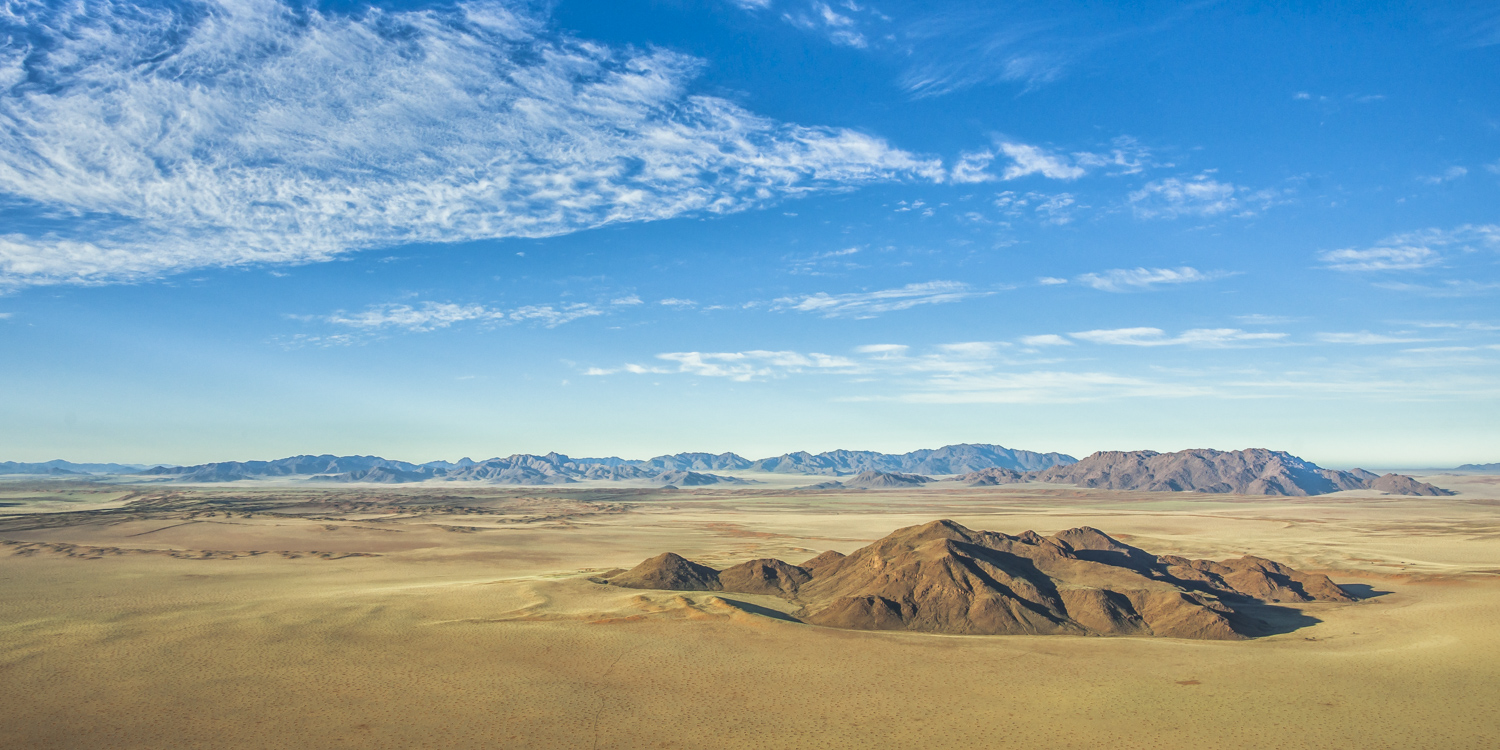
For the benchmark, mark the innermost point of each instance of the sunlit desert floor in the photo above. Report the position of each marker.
(451, 617)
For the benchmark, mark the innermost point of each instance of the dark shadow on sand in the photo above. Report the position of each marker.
(1362, 591)
(1274, 619)
(756, 609)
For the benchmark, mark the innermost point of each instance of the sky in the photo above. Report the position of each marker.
(246, 229)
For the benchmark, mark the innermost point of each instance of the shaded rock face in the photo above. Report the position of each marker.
(941, 577)
(693, 479)
(670, 571)
(872, 480)
(764, 577)
(1400, 484)
(991, 477)
(1254, 471)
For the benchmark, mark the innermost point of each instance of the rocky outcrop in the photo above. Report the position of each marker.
(941, 577)
(1400, 484)
(670, 571)
(991, 477)
(875, 480)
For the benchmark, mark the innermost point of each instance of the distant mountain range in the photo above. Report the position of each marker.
(1480, 468)
(61, 468)
(1255, 471)
(689, 469)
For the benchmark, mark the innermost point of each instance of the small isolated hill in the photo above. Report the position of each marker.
(693, 479)
(991, 477)
(1400, 484)
(941, 577)
(875, 480)
(670, 571)
(1254, 471)
(829, 485)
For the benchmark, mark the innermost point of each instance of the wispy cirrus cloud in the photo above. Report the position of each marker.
(738, 366)
(822, 18)
(1448, 175)
(261, 132)
(1137, 279)
(1365, 338)
(1124, 156)
(1203, 337)
(980, 372)
(1410, 251)
(870, 304)
(1200, 196)
(426, 316)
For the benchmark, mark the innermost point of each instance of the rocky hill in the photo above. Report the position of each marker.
(1254, 471)
(875, 480)
(941, 577)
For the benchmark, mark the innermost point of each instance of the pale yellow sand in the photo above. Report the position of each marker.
(480, 628)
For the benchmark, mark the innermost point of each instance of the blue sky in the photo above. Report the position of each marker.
(246, 229)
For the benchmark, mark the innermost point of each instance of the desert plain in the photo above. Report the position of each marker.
(278, 615)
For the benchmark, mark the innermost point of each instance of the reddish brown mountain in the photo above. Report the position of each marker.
(1254, 471)
(671, 571)
(943, 578)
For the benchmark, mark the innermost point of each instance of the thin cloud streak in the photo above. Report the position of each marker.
(1201, 337)
(1136, 279)
(869, 304)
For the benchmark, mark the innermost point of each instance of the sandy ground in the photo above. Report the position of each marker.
(450, 618)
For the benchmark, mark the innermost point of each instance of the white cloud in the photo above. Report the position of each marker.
(1171, 198)
(1126, 279)
(1380, 259)
(263, 133)
(822, 18)
(1029, 160)
(1056, 209)
(951, 47)
(1203, 337)
(1365, 338)
(1051, 281)
(1127, 155)
(970, 168)
(883, 350)
(1260, 319)
(870, 304)
(971, 349)
(626, 301)
(1414, 250)
(1046, 339)
(675, 302)
(428, 316)
(752, 365)
(1448, 175)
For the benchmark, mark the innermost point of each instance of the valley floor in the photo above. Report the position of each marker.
(417, 617)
